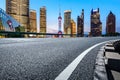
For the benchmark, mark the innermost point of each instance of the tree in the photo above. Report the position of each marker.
(20, 29)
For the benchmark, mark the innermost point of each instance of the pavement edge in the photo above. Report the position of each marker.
(100, 70)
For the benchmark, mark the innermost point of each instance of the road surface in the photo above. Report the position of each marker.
(46, 59)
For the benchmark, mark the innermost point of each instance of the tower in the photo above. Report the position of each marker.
(43, 19)
(59, 24)
(80, 25)
(111, 24)
(19, 10)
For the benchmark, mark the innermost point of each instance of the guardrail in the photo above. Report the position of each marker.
(28, 34)
(9, 34)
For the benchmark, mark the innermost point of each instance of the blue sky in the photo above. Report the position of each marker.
(75, 6)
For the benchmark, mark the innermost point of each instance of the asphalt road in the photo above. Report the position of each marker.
(45, 59)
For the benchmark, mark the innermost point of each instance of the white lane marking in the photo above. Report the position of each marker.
(65, 74)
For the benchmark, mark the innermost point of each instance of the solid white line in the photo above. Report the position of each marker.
(66, 73)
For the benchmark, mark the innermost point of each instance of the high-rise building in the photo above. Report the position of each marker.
(67, 22)
(43, 19)
(73, 30)
(96, 24)
(111, 24)
(33, 21)
(80, 25)
(19, 10)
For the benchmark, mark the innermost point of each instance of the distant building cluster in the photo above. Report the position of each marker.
(19, 10)
(95, 24)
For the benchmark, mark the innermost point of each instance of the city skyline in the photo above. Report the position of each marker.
(52, 7)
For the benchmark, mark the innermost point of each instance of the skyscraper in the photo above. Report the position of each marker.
(33, 21)
(111, 24)
(80, 25)
(67, 22)
(19, 10)
(96, 24)
(73, 26)
(43, 19)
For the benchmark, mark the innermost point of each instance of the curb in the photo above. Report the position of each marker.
(100, 70)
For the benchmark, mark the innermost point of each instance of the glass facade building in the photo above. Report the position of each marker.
(7, 23)
(19, 10)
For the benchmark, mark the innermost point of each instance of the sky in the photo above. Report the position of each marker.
(76, 7)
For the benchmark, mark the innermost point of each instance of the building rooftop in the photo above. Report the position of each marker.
(95, 10)
(43, 7)
(67, 11)
(32, 10)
